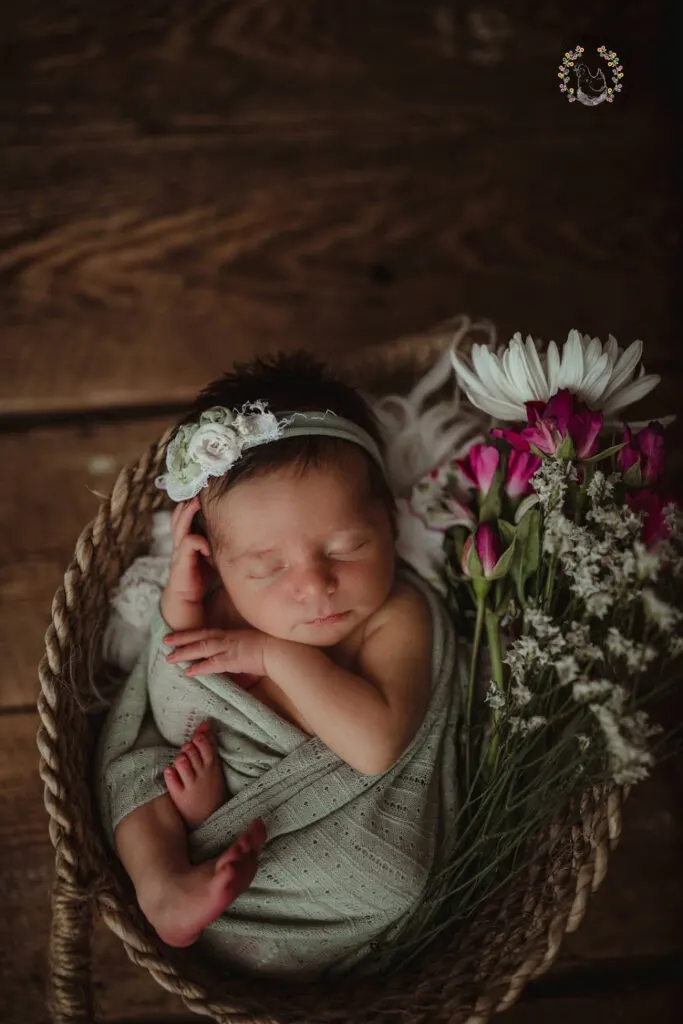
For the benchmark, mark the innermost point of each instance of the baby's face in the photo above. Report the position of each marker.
(291, 549)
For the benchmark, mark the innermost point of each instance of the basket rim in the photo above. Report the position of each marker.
(600, 819)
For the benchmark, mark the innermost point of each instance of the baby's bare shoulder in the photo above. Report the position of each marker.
(396, 658)
(405, 607)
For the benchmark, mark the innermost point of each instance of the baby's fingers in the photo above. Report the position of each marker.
(192, 636)
(192, 542)
(182, 517)
(203, 649)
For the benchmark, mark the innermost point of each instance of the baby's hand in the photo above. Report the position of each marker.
(237, 651)
(190, 572)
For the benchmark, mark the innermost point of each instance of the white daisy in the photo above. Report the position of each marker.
(501, 383)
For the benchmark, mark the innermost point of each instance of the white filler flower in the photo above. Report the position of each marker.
(603, 377)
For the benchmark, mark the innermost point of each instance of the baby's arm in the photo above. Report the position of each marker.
(368, 718)
(182, 602)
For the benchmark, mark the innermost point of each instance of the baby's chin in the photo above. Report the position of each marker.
(319, 634)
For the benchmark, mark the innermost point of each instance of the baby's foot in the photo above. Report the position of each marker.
(180, 906)
(195, 782)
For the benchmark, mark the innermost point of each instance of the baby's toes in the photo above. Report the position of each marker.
(185, 770)
(173, 782)
(194, 757)
(203, 742)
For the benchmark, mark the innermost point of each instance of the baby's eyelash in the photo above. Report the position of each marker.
(334, 554)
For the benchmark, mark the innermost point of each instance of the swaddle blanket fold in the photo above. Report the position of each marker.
(347, 855)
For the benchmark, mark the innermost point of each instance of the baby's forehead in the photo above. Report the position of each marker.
(335, 499)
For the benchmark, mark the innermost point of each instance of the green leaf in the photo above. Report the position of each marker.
(525, 505)
(481, 587)
(566, 449)
(605, 454)
(527, 550)
(474, 566)
(502, 595)
(633, 477)
(502, 566)
(459, 536)
(492, 505)
(507, 531)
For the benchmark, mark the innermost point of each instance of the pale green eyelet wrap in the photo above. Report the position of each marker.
(348, 857)
(212, 445)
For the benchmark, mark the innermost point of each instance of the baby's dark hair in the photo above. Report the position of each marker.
(292, 382)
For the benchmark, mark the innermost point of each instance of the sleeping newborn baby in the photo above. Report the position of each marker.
(277, 774)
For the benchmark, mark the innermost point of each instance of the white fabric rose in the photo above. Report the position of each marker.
(259, 425)
(214, 447)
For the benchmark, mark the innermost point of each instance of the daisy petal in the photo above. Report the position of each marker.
(536, 372)
(466, 375)
(492, 375)
(515, 366)
(625, 367)
(612, 349)
(592, 351)
(497, 407)
(553, 369)
(571, 368)
(633, 392)
(596, 380)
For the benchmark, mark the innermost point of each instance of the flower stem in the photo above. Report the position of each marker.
(550, 579)
(496, 656)
(476, 644)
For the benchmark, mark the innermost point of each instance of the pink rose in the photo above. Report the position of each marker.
(551, 424)
(645, 450)
(479, 466)
(651, 508)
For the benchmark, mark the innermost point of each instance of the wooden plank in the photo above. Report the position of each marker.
(635, 915)
(110, 300)
(662, 1005)
(119, 71)
(52, 478)
(48, 500)
(182, 189)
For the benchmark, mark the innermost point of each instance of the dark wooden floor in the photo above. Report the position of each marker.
(183, 184)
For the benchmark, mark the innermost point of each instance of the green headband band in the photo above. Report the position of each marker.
(216, 442)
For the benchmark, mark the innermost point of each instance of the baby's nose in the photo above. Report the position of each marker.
(313, 580)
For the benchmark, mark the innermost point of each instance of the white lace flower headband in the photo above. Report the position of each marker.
(215, 443)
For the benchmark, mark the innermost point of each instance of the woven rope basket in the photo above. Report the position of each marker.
(462, 978)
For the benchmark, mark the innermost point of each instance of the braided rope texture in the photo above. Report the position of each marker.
(463, 979)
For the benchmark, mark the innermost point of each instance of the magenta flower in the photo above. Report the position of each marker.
(551, 423)
(520, 469)
(479, 466)
(487, 546)
(655, 528)
(645, 450)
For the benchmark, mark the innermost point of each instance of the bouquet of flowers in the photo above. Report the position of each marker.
(561, 562)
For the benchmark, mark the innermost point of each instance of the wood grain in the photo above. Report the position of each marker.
(54, 481)
(178, 188)
(636, 914)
